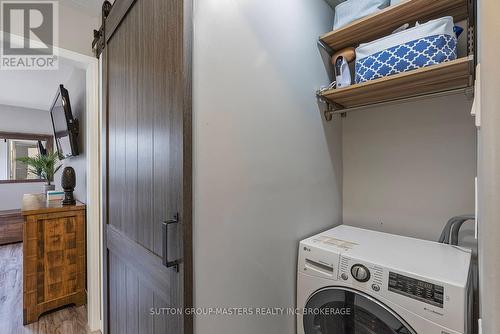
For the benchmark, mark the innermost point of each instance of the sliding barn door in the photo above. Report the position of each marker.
(147, 195)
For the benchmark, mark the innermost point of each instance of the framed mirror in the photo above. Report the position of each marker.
(17, 145)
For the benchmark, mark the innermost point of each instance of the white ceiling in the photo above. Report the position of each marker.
(92, 7)
(33, 89)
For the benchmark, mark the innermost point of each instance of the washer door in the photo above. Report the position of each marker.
(338, 310)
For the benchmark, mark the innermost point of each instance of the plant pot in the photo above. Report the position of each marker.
(48, 187)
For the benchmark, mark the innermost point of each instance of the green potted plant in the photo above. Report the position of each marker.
(44, 166)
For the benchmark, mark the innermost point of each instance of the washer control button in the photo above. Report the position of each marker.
(375, 287)
(360, 273)
(344, 276)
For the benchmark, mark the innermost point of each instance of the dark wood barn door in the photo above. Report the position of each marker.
(147, 166)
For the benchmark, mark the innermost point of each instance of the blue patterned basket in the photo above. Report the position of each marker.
(424, 45)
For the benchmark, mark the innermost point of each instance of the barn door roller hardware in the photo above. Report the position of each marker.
(98, 42)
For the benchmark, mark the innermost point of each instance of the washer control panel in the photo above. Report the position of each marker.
(420, 290)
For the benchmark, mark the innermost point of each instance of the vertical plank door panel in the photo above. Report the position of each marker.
(147, 99)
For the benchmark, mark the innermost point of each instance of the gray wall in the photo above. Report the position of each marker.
(4, 163)
(267, 171)
(25, 120)
(409, 167)
(76, 85)
(76, 27)
(489, 166)
(15, 119)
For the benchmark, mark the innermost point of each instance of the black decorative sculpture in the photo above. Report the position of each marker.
(68, 182)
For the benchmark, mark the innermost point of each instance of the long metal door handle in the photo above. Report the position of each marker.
(166, 262)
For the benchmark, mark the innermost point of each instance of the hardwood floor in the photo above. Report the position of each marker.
(69, 320)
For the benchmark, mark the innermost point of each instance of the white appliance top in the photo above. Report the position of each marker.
(436, 261)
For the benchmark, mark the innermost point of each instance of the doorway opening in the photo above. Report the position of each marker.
(27, 131)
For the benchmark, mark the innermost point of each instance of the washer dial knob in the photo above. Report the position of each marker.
(360, 273)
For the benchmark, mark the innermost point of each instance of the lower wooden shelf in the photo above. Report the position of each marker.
(443, 77)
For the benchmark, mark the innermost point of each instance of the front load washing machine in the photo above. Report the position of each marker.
(356, 281)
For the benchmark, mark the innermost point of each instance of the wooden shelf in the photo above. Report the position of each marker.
(443, 77)
(386, 21)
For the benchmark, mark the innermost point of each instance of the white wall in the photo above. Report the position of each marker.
(489, 166)
(76, 86)
(267, 171)
(14, 119)
(4, 159)
(410, 167)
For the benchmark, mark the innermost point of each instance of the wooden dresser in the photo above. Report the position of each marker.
(54, 270)
(11, 226)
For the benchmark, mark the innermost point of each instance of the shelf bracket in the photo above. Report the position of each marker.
(332, 108)
(326, 47)
(326, 53)
(469, 92)
(329, 111)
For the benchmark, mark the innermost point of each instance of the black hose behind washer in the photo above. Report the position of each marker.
(450, 233)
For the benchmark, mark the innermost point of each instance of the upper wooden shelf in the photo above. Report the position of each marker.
(443, 77)
(386, 21)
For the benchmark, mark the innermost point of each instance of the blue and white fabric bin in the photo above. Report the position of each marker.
(352, 10)
(424, 45)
